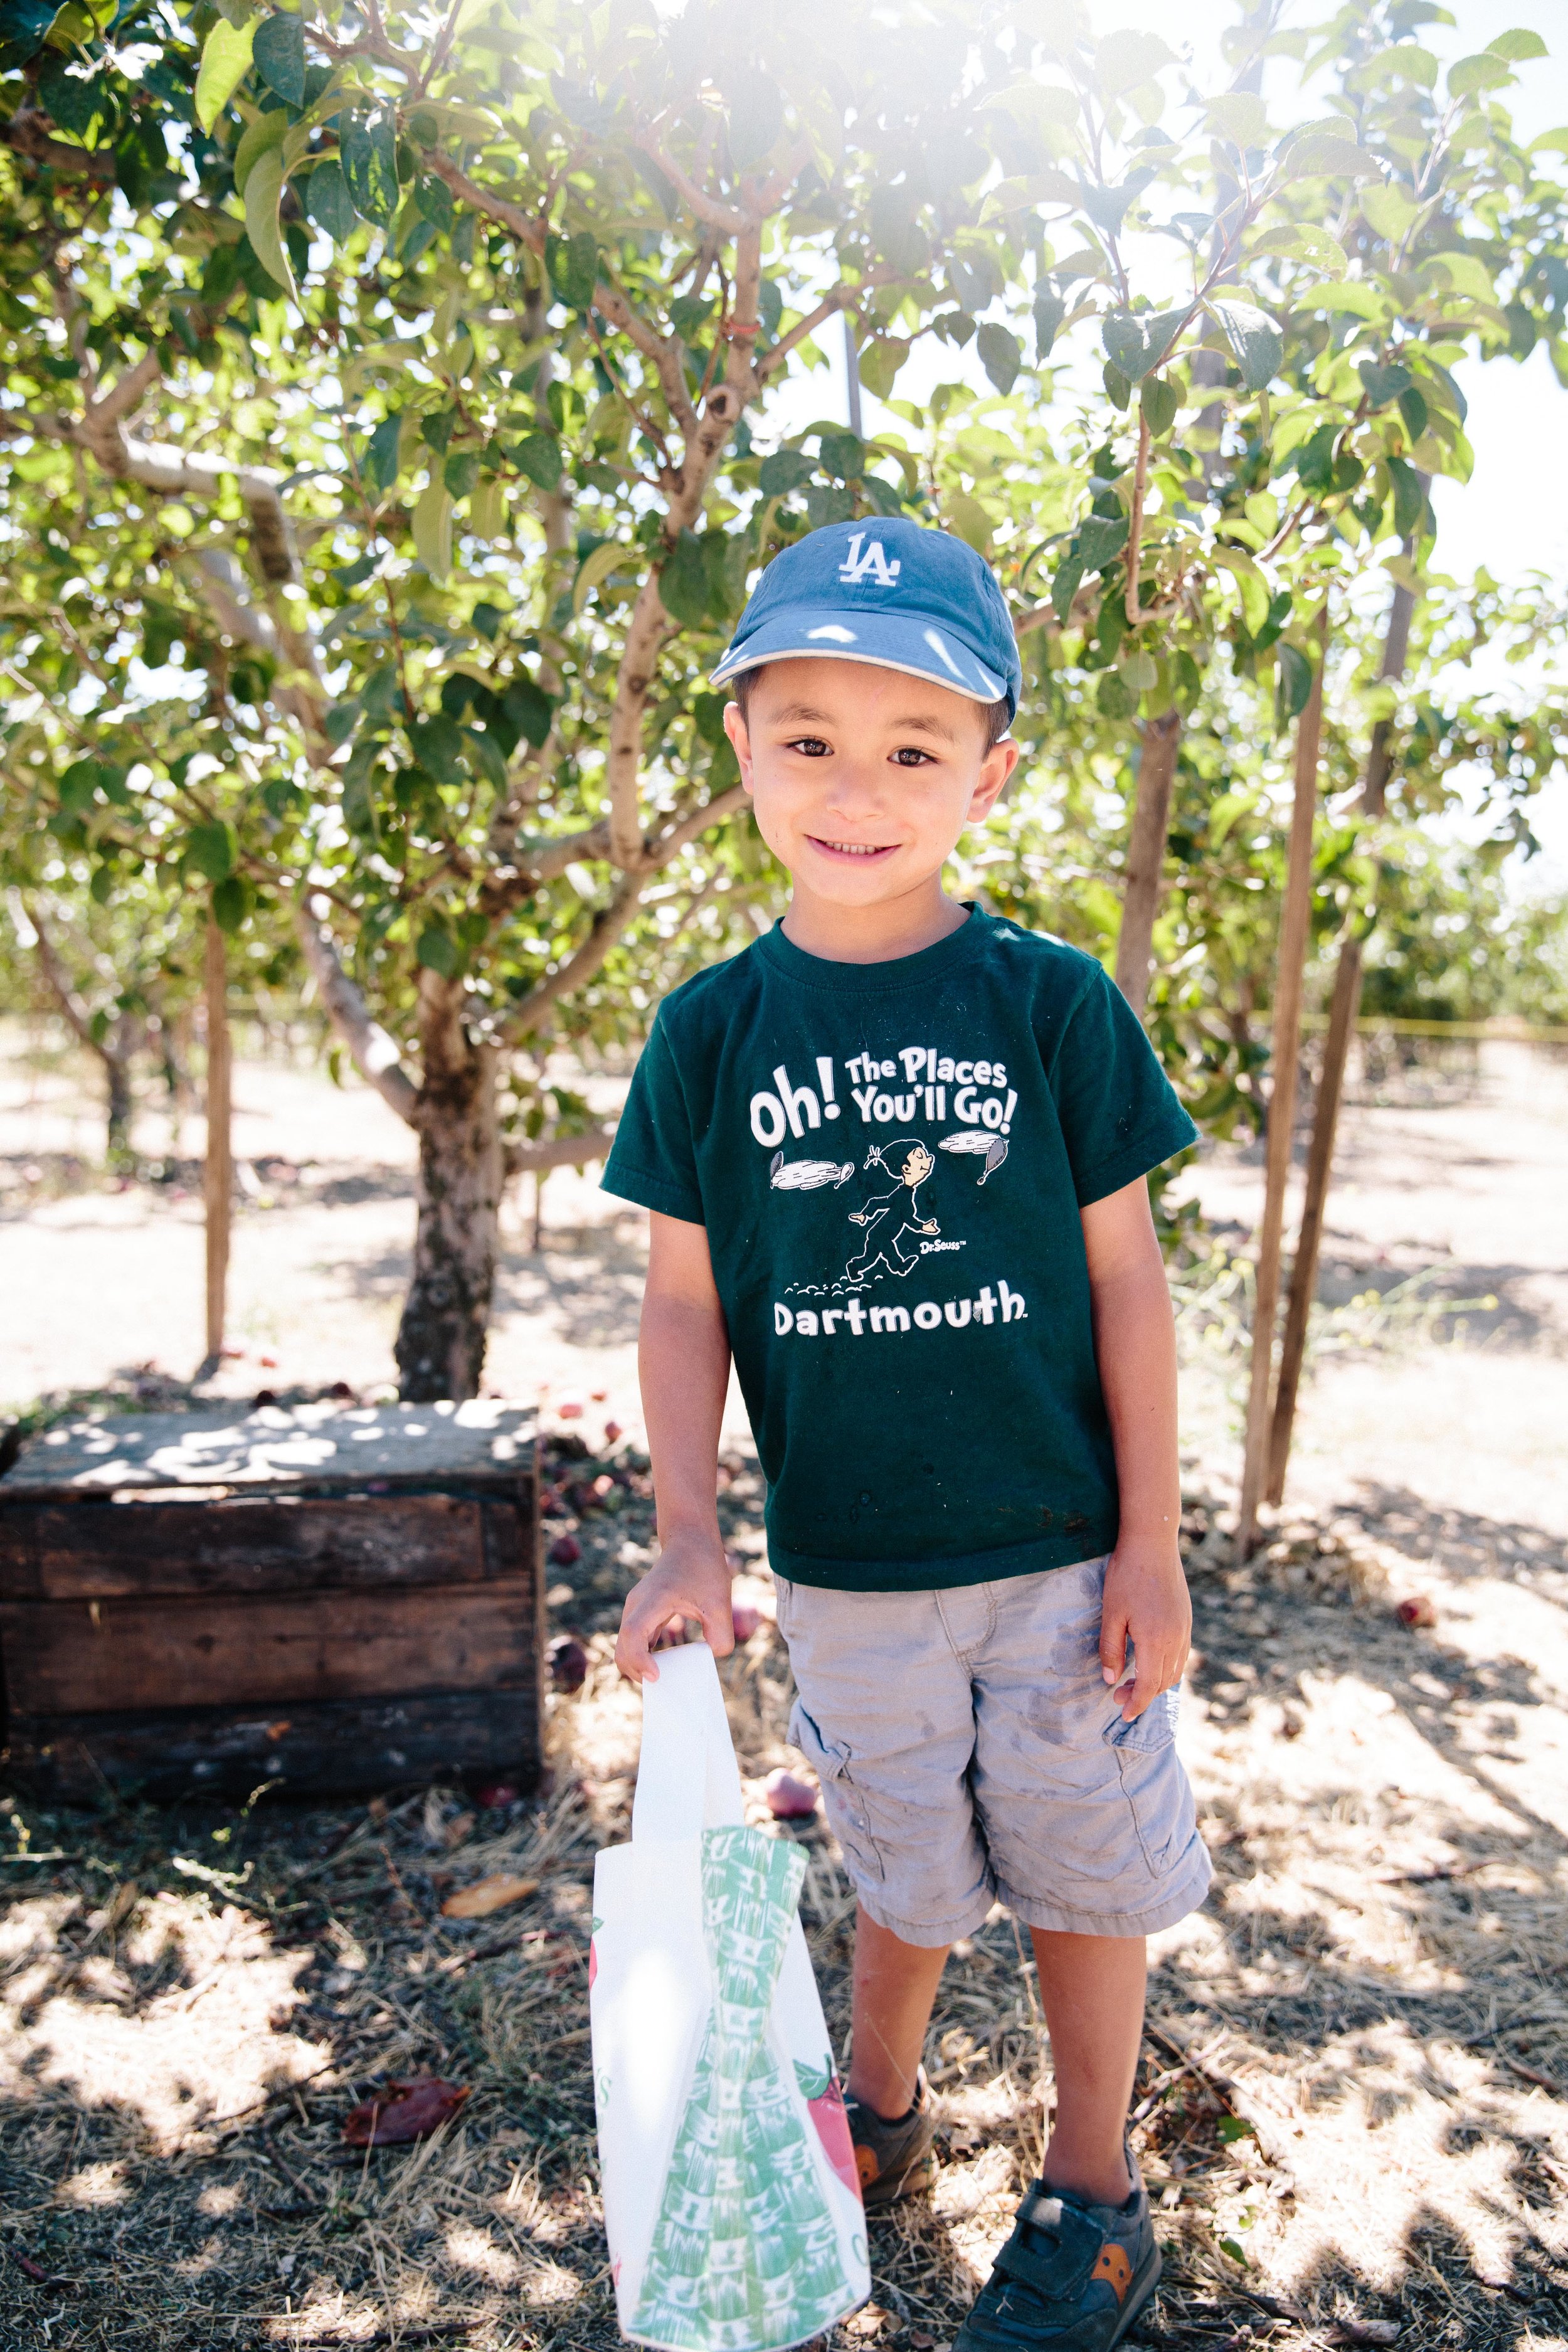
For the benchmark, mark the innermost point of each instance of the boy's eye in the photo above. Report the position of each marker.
(811, 746)
(910, 755)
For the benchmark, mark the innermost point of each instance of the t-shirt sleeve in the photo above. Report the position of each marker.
(652, 1161)
(1118, 1111)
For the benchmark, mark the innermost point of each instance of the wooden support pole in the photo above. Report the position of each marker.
(1342, 1011)
(1146, 855)
(1294, 922)
(218, 1179)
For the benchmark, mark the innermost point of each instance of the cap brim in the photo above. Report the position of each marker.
(908, 641)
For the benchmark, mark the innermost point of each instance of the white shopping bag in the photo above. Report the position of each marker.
(731, 2204)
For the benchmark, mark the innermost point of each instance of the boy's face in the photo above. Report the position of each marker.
(863, 779)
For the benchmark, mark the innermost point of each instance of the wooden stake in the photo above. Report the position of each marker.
(1294, 921)
(218, 1179)
(1146, 855)
(1345, 1006)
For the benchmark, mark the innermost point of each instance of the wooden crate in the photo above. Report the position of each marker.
(331, 1598)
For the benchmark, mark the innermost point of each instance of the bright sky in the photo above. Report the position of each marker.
(1512, 515)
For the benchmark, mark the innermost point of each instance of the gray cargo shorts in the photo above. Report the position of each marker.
(968, 1750)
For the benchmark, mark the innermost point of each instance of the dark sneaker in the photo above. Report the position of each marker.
(1073, 2277)
(893, 2159)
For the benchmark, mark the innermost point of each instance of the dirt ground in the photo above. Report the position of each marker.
(1352, 2108)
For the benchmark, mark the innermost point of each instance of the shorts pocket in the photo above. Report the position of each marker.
(844, 1803)
(1155, 1727)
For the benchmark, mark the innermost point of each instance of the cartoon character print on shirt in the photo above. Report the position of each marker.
(892, 1215)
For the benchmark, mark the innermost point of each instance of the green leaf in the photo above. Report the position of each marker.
(1383, 382)
(328, 202)
(461, 471)
(1158, 402)
(538, 455)
(1258, 345)
(880, 361)
(1414, 410)
(1137, 342)
(1100, 541)
(225, 61)
(529, 710)
(969, 518)
(1065, 584)
(101, 887)
(1468, 76)
(1000, 354)
(1049, 312)
(279, 51)
(1293, 686)
(438, 951)
(1409, 498)
(756, 108)
(432, 521)
(263, 191)
(842, 454)
(573, 265)
(1114, 697)
(1314, 246)
(1323, 155)
(259, 138)
(784, 471)
(434, 200)
(598, 566)
(683, 582)
(232, 901)
(212, 850)
(1117, 389)
(1518, 45)
(1125, 58)
(368, 149)
(1251, 587)
(1228, 2246)
(1390, 211)
(380, 465)
(1237, 116)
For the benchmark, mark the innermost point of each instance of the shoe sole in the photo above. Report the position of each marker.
(1145, 2279)
(914, 2180)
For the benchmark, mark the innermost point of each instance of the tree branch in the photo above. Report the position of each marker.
(707, 208)
(28, 134)
(60, 988)
(373, 1054)
(842, 298)
(558, 1152)
(713, 811)
(128, 391)
(580, 965)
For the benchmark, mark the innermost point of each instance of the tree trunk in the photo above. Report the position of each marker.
(1294, 923)
(1146, 855)
(122, 1104)
(217, 1175)
(1342, 1013)
(441, 1337)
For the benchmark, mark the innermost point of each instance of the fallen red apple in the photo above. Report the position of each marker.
(495, 1794)
(788, 1800)
(1416, 1610)
(569, 1408)
(568, 1662)
(565, 1551)
(612, 1431)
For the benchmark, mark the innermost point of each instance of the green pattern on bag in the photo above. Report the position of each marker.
(745, 2254)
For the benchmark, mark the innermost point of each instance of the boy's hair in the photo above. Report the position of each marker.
(995, 714)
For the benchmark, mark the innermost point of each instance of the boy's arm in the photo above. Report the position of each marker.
(1146, 1598)
(683, 1361)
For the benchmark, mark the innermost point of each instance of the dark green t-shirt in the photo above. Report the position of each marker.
(889, 1160)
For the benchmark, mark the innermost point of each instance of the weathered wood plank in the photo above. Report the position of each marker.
(94, 1657)
(347, 1746)
(67, 1551)
(275, 1447)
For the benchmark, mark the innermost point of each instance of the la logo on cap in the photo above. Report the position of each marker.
(873, 565)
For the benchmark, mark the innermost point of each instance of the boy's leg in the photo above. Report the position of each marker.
(1091, 1988)
(895, 1985)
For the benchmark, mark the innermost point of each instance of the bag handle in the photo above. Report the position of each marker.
(687, 1779)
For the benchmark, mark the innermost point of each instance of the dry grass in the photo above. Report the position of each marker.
(1352, 2105)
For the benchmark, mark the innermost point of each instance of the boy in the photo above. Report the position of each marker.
(967, 1418)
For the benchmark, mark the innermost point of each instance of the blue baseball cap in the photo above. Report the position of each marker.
(886, 592)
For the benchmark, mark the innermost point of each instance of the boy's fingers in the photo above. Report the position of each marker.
(1113, 1646)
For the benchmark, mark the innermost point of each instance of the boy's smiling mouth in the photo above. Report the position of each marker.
(863, 850)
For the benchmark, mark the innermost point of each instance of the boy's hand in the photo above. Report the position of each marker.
(1146, 1602)
(690, 1578)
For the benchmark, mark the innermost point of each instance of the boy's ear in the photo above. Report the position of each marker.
(736, 729)
(995, 769)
